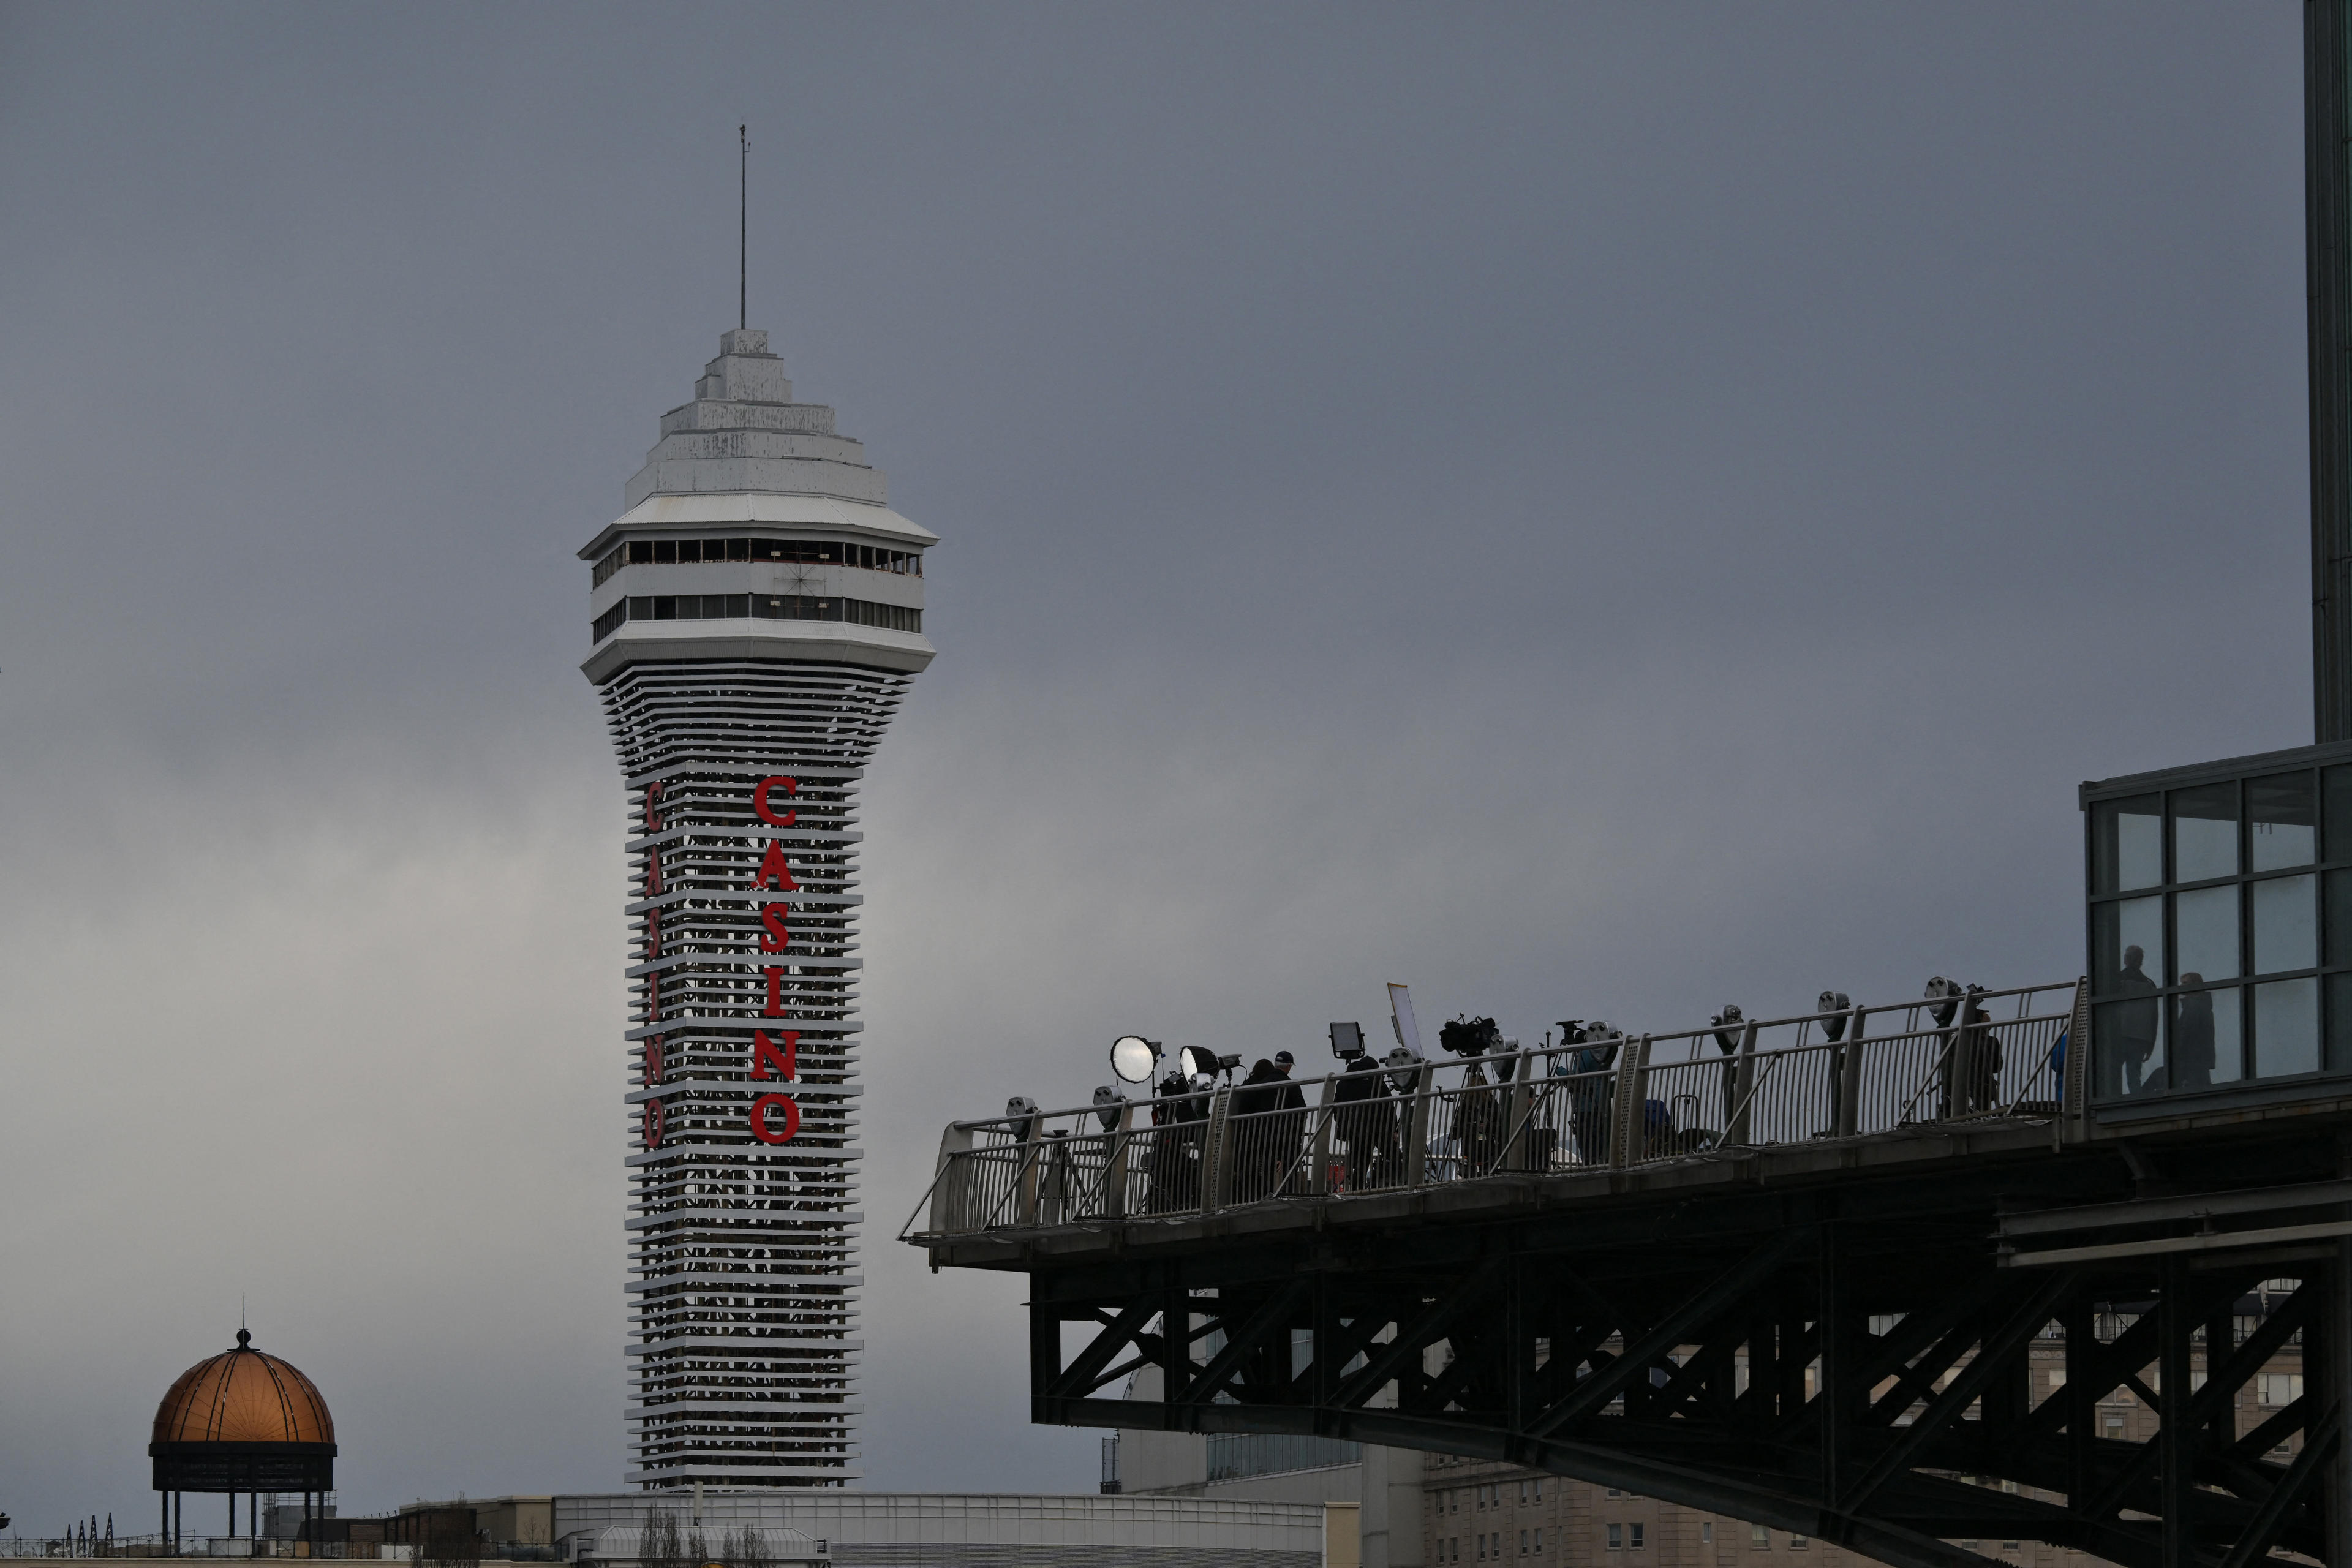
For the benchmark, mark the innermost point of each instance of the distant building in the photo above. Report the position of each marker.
(755, 616)
(922, 1530)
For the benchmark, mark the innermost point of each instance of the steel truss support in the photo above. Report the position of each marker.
(1853, 1380)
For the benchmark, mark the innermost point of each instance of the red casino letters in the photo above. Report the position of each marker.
(770, 1060)
(775, 1118)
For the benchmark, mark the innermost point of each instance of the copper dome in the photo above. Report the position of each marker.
(242, 1396)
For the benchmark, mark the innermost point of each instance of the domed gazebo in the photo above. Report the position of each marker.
(242, 1422)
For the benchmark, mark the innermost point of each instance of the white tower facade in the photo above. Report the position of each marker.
(756, 618)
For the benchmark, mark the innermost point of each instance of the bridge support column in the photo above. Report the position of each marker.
(1841, 1372)
(2334, 1347)
(2177, 1456)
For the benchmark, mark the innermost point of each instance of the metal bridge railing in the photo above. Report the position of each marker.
(1642, 1098)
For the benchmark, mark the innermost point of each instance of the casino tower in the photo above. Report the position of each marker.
(756, 616)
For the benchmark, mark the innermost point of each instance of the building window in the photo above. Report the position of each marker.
(753, 607)
(1539, 1488)
(2212, 918)
(1798, 1543)
(1706, 1534)
(1616, 1537)
(1759, 1538)
(687, 552)
(1523, 1544)
(1523, 1493)
(2278, 1388)
(1539, 1541)
(1635, 1543)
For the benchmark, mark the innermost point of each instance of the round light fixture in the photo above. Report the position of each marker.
(1134, 1058)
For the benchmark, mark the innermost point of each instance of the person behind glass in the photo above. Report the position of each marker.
(2135, 1023)
(1727, 1033)
(2192, 1054)
(1365, 1130)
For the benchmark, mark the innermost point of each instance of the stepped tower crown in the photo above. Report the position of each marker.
(754, 529)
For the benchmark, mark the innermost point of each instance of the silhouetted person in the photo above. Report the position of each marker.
(1177, 1114)
(2191, 1060)
(2135, 1023)
(1365, 1122)
(1255, 1160)
(1288, 1129)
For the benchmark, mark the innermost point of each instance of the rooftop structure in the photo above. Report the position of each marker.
(242, 1421)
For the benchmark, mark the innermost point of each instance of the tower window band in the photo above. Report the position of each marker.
(812, 551)
(753, 607)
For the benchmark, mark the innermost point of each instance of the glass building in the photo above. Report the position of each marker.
(2219, 931)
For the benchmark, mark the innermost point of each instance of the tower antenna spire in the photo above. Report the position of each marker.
(743, 226)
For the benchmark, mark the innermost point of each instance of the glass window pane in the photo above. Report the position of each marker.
(640, 549)
(2128, 942)
(2339, 1022)
(2286, 1027)
(2204, 832)
(714, 550)
(665, 549)
(739, 550)
(2283, 828)
(2129, 1051)
(689, 550)
(2205, 933)
(2335, 797)
(2286, 933)
(2339, 928)
(2127, 844)
(2205, 1038)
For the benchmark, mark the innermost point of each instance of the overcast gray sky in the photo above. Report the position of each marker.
(1593, 510)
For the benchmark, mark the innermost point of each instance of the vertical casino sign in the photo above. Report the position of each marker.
(774, 1117)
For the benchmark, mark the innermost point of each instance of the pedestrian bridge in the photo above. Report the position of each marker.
(1918, 1079)
(1790, 1272)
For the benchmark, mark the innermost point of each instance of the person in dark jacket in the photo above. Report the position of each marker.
(1177, 1114)
(2136, 1020)
(1364, 1122)
(1253, 1131)
(2192, 1038)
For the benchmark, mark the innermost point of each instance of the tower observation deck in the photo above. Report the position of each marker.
(756, 617)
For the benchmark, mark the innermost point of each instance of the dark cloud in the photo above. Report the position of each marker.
(1596, 511)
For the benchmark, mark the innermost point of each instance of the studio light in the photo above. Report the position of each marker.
(1134, 1058)
(1347, 1041)
(1199, 1063)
